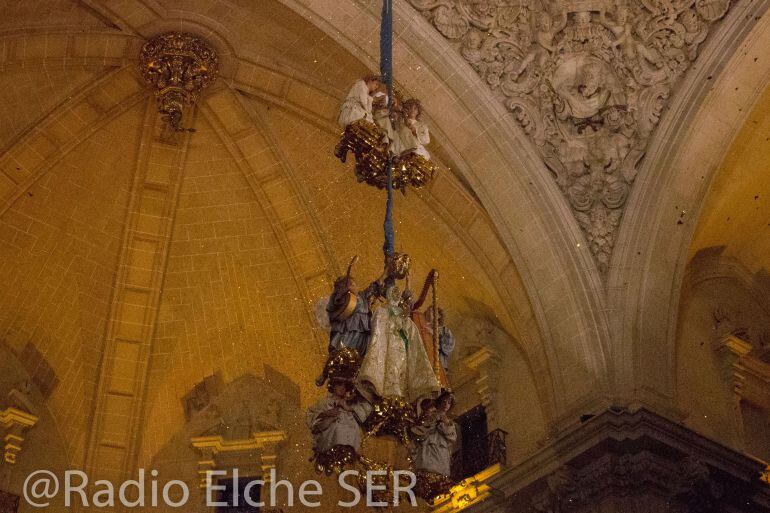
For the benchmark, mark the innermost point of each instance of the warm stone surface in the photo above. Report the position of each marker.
(58, 14)
(737, 212)
(621, 461)
(586, 83)
(150, 284)
(60, 245)
(27, 95)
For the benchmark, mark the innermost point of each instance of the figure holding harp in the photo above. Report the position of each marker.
(437, 338)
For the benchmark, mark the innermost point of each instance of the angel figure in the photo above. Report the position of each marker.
(396, 363)
(412, 133)
(542, 43)
(349, 315)
(382, 113)
(359, 101)
(446, 338)
(625, 39)
(695, 32)
(335, 423)
(434, 437)
(423, 319)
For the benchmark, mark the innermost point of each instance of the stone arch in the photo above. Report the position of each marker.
(512, 184)
(288, 91)
(567, 306)
(664, 208)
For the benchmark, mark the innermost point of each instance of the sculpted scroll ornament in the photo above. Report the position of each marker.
(586, 80)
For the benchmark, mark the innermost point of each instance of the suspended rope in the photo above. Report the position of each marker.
(393, 414)
(386, 47)
(386, 70)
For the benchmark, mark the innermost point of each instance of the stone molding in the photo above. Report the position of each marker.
(631, 462)
(218, 452)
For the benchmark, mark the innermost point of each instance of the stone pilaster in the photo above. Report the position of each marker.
(14, 423)
(476, 383)
(730, 351)
(136, 297)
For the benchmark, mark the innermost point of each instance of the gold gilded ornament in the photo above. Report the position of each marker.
(369, 145)
(398, 265)
(391, 416)
(334, 460)
(178, 66)
(381, 485)
(431, 485)
(342, 365)
(412, 169)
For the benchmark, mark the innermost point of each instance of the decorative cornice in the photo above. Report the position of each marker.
(468, 492)
(619, 452)
(13, 416)
(259, 449)
(14, 422)
(218, 444)
(586, 80)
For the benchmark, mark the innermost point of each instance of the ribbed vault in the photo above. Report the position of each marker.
(259, 217)
(263, 220)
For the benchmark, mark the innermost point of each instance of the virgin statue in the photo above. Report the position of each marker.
(396, 363)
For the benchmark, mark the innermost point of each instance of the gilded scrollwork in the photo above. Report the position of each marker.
(178, 66)
(586, 80)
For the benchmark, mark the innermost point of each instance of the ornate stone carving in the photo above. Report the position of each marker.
(630, 462)
(586, 80)
(684, 487)
(179, 66)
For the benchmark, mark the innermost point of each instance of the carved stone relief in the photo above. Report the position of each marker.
(586, 80)
(681, 487)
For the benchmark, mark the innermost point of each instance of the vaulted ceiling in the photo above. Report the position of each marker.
(254, 217)
(135, 268)
(736, 214)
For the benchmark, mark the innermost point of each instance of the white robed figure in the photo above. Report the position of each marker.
(436, 435)
(434, 452)
(412, 134)
(335, 420)
(396, 363)
(358, 102)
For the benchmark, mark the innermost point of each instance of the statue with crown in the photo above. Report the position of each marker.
(386, 371)
(386, 377)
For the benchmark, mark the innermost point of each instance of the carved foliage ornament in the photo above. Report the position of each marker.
(688, 485)
(179, 66)
(586, 80)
